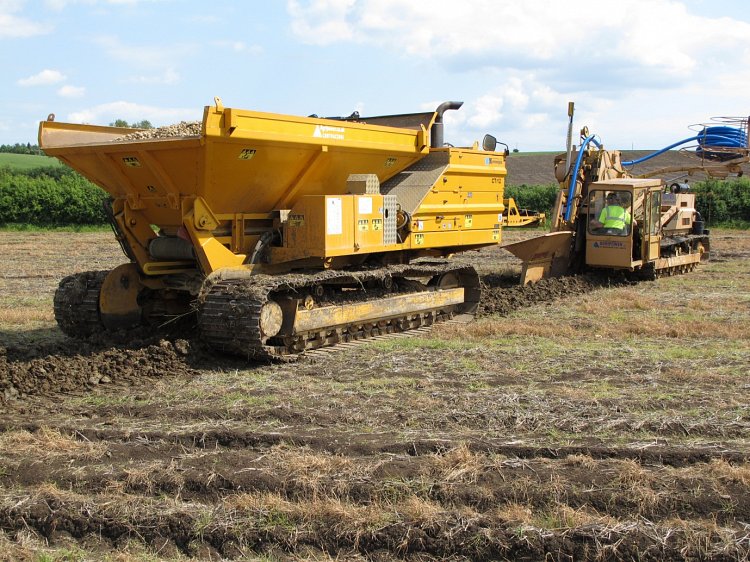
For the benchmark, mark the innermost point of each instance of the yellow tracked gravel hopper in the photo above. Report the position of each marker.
(283, 233)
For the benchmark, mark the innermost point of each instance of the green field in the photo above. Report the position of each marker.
(27, 161)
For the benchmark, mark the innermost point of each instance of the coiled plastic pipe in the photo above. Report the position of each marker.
(725, 137)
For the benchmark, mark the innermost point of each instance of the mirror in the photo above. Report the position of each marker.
(489, 143)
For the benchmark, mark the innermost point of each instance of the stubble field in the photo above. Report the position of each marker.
(582, 419)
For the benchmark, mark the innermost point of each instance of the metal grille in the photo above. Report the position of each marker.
(390, 208)
(411, 185)
(363, 184)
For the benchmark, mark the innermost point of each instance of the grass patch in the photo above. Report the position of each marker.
(47, 443)
(24, 227)
(28, 161)
(417, 343)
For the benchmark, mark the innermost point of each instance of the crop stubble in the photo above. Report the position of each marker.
(583, 418)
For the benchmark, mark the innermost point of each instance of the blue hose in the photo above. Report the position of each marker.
(574, 175)
(725, 137)
(734, 138)
(716, 137)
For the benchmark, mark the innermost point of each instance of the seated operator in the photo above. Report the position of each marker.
(614, 219)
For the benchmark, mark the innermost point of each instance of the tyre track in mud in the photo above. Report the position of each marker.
(133, 358)
(343, 443)
(230, 533)
(239, 500)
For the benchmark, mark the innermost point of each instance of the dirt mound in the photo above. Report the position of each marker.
(503, 295)
(129, 357)
(77, 365)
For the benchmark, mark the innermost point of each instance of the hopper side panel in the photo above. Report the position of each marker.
(53, 135)
(251, 125)
(152, 176)
(259, 176)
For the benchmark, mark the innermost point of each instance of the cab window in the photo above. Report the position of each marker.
(610, 212)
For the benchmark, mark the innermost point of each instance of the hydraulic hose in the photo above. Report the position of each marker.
(574, 176)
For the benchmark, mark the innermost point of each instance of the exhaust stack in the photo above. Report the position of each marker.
(436, 132)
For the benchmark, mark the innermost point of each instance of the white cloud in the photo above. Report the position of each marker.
(68, 91)
(169, 76)
(521, 102)
(630, 65)
(109, 112)
(661, 36)
(239, 46)
(59, 5)
(13, 26)
(43, 78)
(487, 111)
(322, 21)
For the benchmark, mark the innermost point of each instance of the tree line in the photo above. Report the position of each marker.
(28, 148)
(20, 148)
(720, 202)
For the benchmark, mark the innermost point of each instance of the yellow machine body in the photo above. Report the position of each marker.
(248, 173)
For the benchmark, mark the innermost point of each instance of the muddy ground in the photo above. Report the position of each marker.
(547, 428)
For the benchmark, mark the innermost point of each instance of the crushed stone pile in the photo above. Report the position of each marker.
(181, 129)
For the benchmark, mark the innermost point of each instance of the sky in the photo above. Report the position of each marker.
(639, 71)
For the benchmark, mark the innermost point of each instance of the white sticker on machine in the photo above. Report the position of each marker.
(365, 205)
(334, 219)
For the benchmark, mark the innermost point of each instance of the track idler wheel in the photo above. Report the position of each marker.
(119, 308)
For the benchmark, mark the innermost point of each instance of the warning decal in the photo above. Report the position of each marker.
(328, 132)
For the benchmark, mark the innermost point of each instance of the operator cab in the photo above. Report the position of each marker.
(623, 223)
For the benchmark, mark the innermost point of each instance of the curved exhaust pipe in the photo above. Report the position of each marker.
(436, 131)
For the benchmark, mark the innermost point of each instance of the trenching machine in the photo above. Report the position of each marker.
(661, 232)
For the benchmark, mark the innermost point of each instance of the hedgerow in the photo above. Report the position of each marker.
(49, 197)
(725, 202)
(59, 196)
(720, 202)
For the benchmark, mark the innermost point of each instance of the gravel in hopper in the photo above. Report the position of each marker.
(181, 129)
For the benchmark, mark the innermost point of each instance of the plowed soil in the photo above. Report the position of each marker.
(582, 418)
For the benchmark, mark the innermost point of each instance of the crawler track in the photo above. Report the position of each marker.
(673, 251)
(77, 303)
(231, 313)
